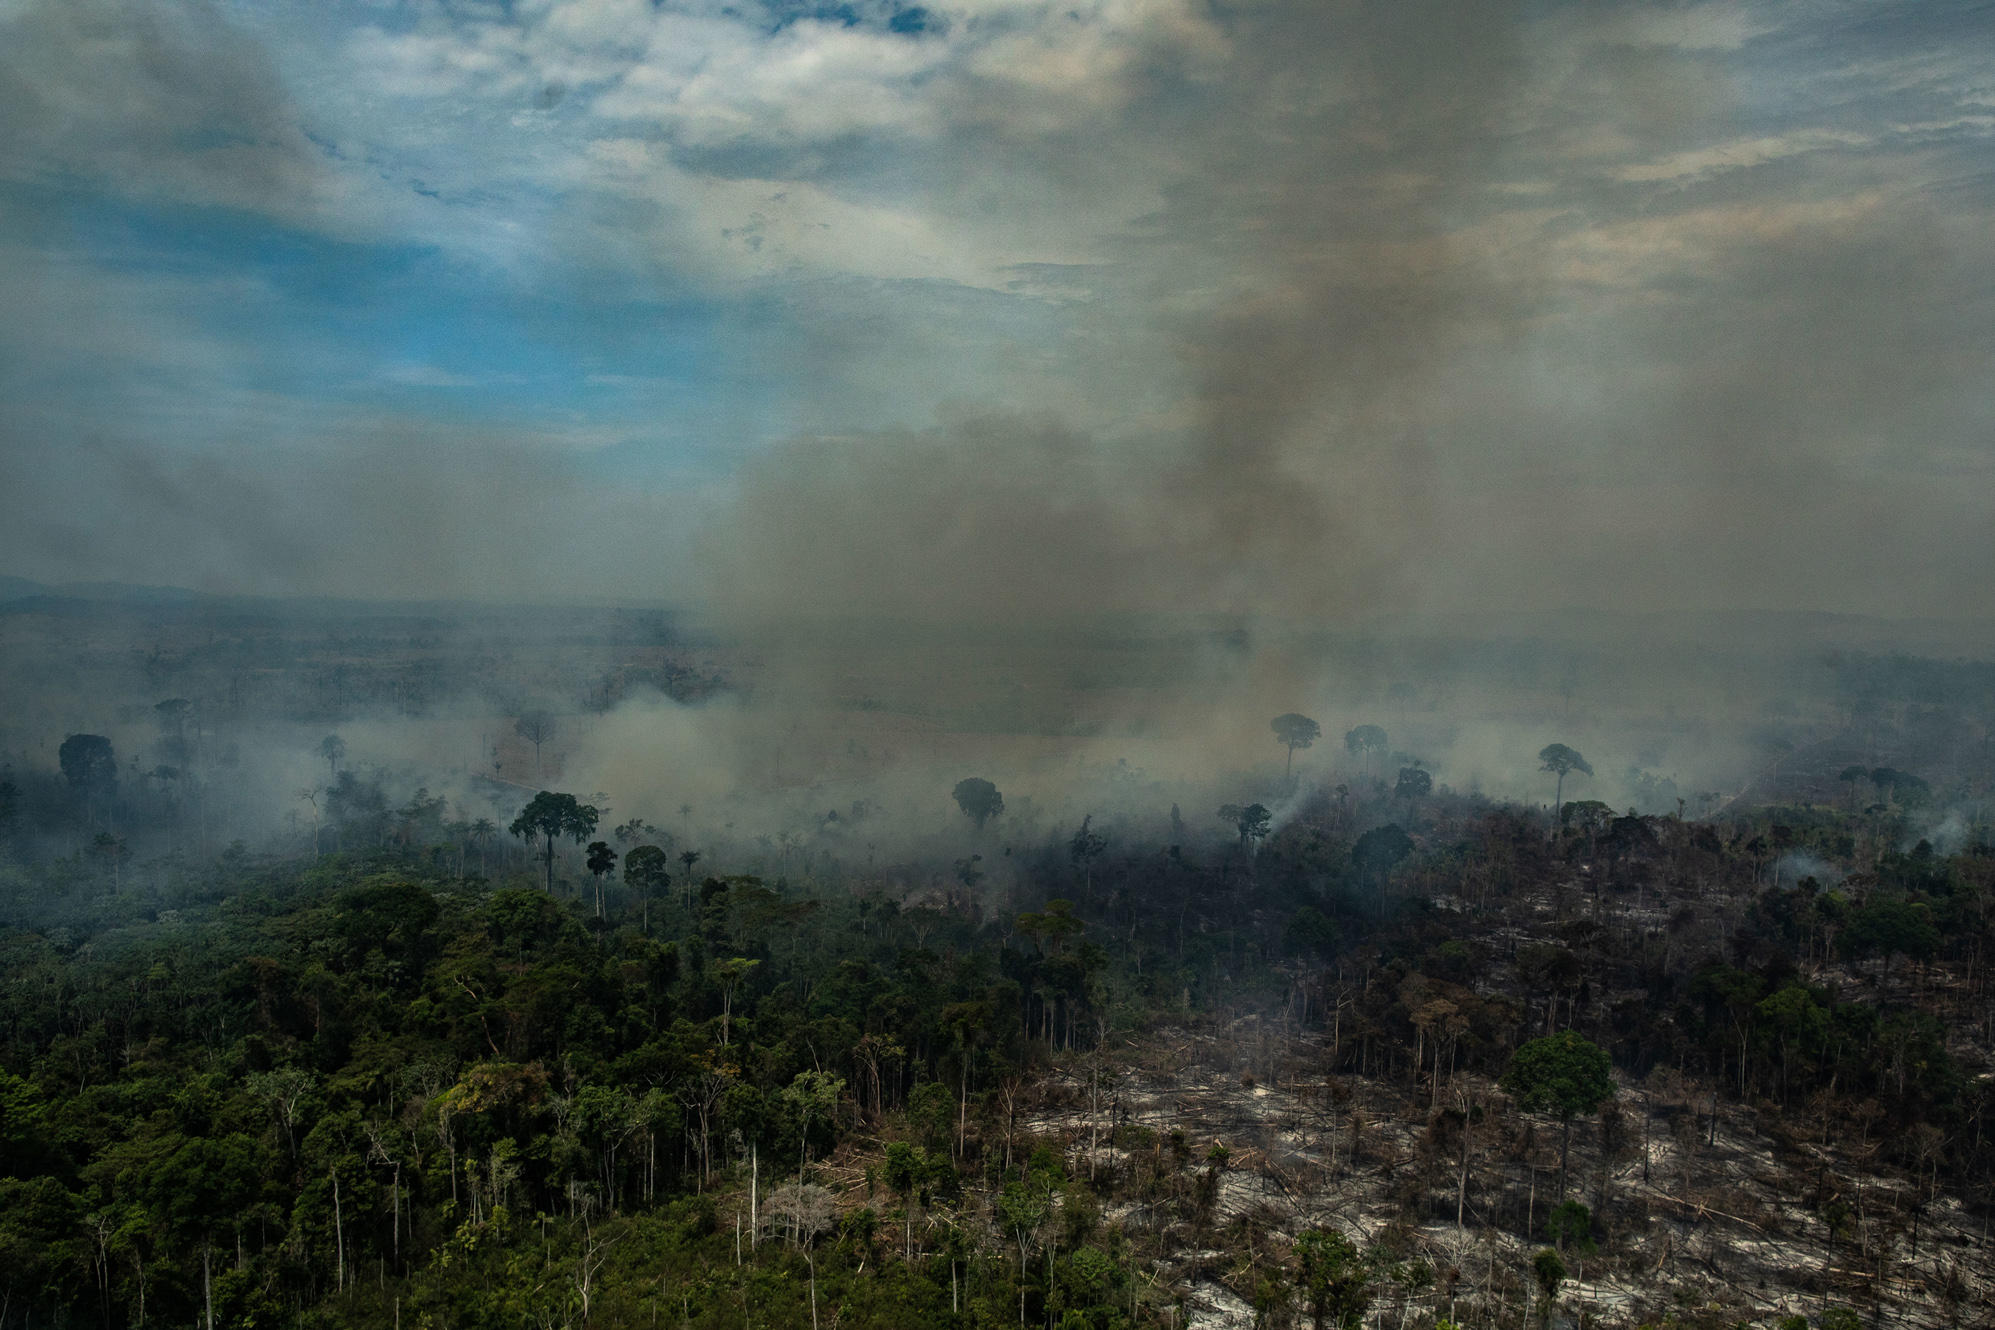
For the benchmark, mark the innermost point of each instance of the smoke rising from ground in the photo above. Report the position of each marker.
(1424, 347)
(910, 358)
(1312, 296)
(1306, 310)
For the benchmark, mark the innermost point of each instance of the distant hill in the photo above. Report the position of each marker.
(120, 593)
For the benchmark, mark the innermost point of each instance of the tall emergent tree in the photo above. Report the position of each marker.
(90, 767)
(551, 816)
(1366, 741)
(1415, 784)
(979, 800)
(1561, 760)
(602, 861)
(1294, 731)
(1084, 849)
(536, 727)
(333, 749)
(1898, 786)
(1850, 776)
(1565, 1074)
(88, 762)
(646, 869)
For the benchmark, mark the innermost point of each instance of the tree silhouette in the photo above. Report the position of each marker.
(637, 829)
(602, 859)
(1294, 731)
(1897, 786)
(536, 727)
(172, 715)
(1591, 815)
(309, 796)
(111, 851)
(689, 858)
(551, 816)
(483, 830)
(1365, 741)
(1250, 820)
(1415, 784)
(88, 762)
(1564, 1073)
(645, 869)
(1084, 849)
(979, 800)
(1560, 759)
(1850, 776)
(333, 749)
(91, 768)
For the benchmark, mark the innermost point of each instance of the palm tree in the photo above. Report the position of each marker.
(689, 858)
(602, 860)
(483, 829)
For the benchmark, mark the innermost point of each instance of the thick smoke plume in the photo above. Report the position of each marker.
(1437, 335)
(1314, 300)
(1301, 310)
(1206, 328)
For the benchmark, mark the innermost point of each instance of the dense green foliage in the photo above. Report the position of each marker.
(354, 1089)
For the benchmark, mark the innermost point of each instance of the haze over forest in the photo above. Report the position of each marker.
(701, 588)
(1301, 310)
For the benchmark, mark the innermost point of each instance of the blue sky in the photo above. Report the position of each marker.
(1290, 307)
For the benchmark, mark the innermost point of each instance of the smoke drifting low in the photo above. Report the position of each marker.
(1132, 373)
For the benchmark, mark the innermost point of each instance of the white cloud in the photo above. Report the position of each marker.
(1715, 27)
(706, 83)
(1740, 153)
(437, 64)
(709, 75)
(761, 147)
(758, 228)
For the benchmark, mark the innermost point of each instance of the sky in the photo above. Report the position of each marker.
(1001, 308)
